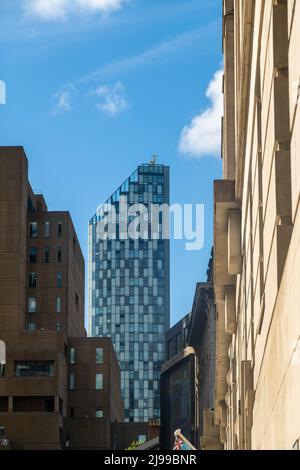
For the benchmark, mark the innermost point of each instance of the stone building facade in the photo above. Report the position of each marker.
(257, 228)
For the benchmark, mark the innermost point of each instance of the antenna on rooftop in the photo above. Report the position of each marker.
(153, 160)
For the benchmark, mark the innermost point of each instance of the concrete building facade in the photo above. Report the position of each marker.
(257, 228)
(59, 388)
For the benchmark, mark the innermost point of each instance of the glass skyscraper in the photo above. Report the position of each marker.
(129, 289)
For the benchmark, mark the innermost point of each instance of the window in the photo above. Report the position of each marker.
(99, 355)
(47, 229)
(74, 244)
(31, 326)
(46, 254)
(58, 280)
(99, 381)
(99, 413)
(33, 229)
(58, 326)
(58, 304)
(59, 254)
(32, 254)
(179, 345)
(32, 305)
(76, 299)
(59, 229)
(32, 280)
(34, 368)
(71, 381)
(72, 356)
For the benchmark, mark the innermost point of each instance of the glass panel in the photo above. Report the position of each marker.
(99, 413)
(99, 381)
(99, 355)
(34, 368)
(72, 356)
(31, 326)
(46, 254)
(32, 280)
(47, 229)
(32, 305)
(59, 229)
(33, 230)
(58, 280)
(32, 254)
(58, 304)
(71, 381)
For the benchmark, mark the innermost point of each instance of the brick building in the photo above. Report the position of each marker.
(59, 388)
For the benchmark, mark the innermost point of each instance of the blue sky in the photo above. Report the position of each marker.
(94, 87)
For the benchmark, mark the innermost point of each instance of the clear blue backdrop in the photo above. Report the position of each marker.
(166, 52)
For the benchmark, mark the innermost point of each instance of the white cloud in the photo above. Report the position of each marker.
(64, 99)
(112, 100)
(53, 10)
(203, 135)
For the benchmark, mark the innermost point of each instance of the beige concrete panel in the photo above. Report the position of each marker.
(269, 212)
(234, 242)
(230, 310)
(256, 306)
(270, 289)
(291, 7)
(265, 49)
(268, 130)
(295, 163)
(294, 60)
(281, 359)
(256, 250)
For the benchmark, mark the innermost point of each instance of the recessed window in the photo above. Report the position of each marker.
(58, 304)
(59, 229)
(76, 300)
(71, 381)
(59, 254)
(32, 254)
(32, 280)
(34, 368)
(99, 381)
(46, 254)
(72, 356)
(33, 230)
(32, 305)
(58, 280)
(47, 229)
(99, 413)
(31, 326)
(99, 355)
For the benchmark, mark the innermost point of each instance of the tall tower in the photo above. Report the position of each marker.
(129, 291)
